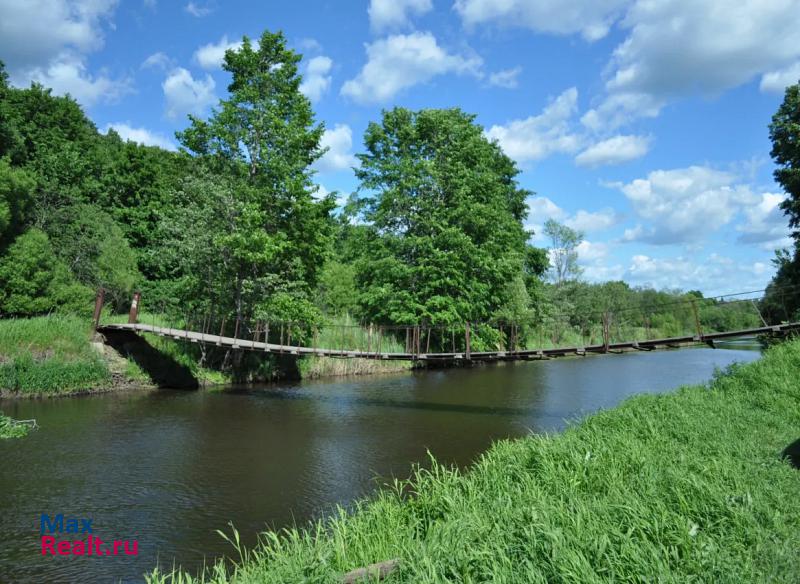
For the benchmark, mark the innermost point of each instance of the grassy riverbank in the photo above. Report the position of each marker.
(687, 486)
(49, 355)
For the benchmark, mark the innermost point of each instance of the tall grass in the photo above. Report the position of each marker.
(344, 333)
(49, 355)
(686, 487)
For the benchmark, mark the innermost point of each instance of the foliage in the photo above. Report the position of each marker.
(336, 290)
(564, 242)
(782, 300)
(92, 243)
(34, 281)
(16, 187)
(268, 235)
(686, 486)
(784, 131)
(10, 428)
(446, 214)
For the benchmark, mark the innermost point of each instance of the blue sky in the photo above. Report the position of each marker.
(641, 122)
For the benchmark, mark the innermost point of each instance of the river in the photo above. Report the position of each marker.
(168, 468)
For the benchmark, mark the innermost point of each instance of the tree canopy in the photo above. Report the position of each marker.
(446, 219)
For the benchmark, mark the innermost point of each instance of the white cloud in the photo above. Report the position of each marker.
(539, 136)
(210, 56)
(542, 209)
(316, 79)
(185, 94)
(385, 14)
(765, 222)
(589, 222)
(198, 10)
(615, 150)
(676, 48)
(33, 32)
(140, 135)
(591, 18)
(713, 274)
(778, 81)
(46, 41)
(592, 251)
(339, 142)
(620, 109)
(67, 74)
(310, 44)
(158, 61)
(402, 61)
(684, 205)
(506, 78)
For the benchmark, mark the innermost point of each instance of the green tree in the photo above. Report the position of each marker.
(33, 281)
(564, 242)
(92, 244)
(784, 131)
(16, 187)
(273, 236)
(446, 213)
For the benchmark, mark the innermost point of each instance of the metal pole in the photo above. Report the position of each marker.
(467, 339)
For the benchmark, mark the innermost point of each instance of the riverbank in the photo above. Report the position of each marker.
(56, 356)
(51, 355)
(683, 486)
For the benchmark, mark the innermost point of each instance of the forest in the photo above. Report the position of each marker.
(233, 226)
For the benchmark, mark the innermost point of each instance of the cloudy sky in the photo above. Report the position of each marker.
(641, 122)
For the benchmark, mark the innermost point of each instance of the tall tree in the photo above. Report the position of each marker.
(782, 301)
(564, 242)
(784, 131)
(263, 138)
(447, 216)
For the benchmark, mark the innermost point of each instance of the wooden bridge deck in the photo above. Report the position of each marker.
(523, 354)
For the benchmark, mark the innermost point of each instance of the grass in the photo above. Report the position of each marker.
(10, 428)
(681, 487)
(344, 333)
(49, 355)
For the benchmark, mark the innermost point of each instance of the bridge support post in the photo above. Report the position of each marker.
(697, 319)
(468, 352)
(133, 315)
(98, 308)
(606, 331)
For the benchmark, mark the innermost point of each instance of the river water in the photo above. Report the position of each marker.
(168, 468)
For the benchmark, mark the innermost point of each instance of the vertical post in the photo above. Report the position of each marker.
(466, 338)
(98, 308)
(606, 331)
(761, 316)
(697, 319)
(133, 315)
